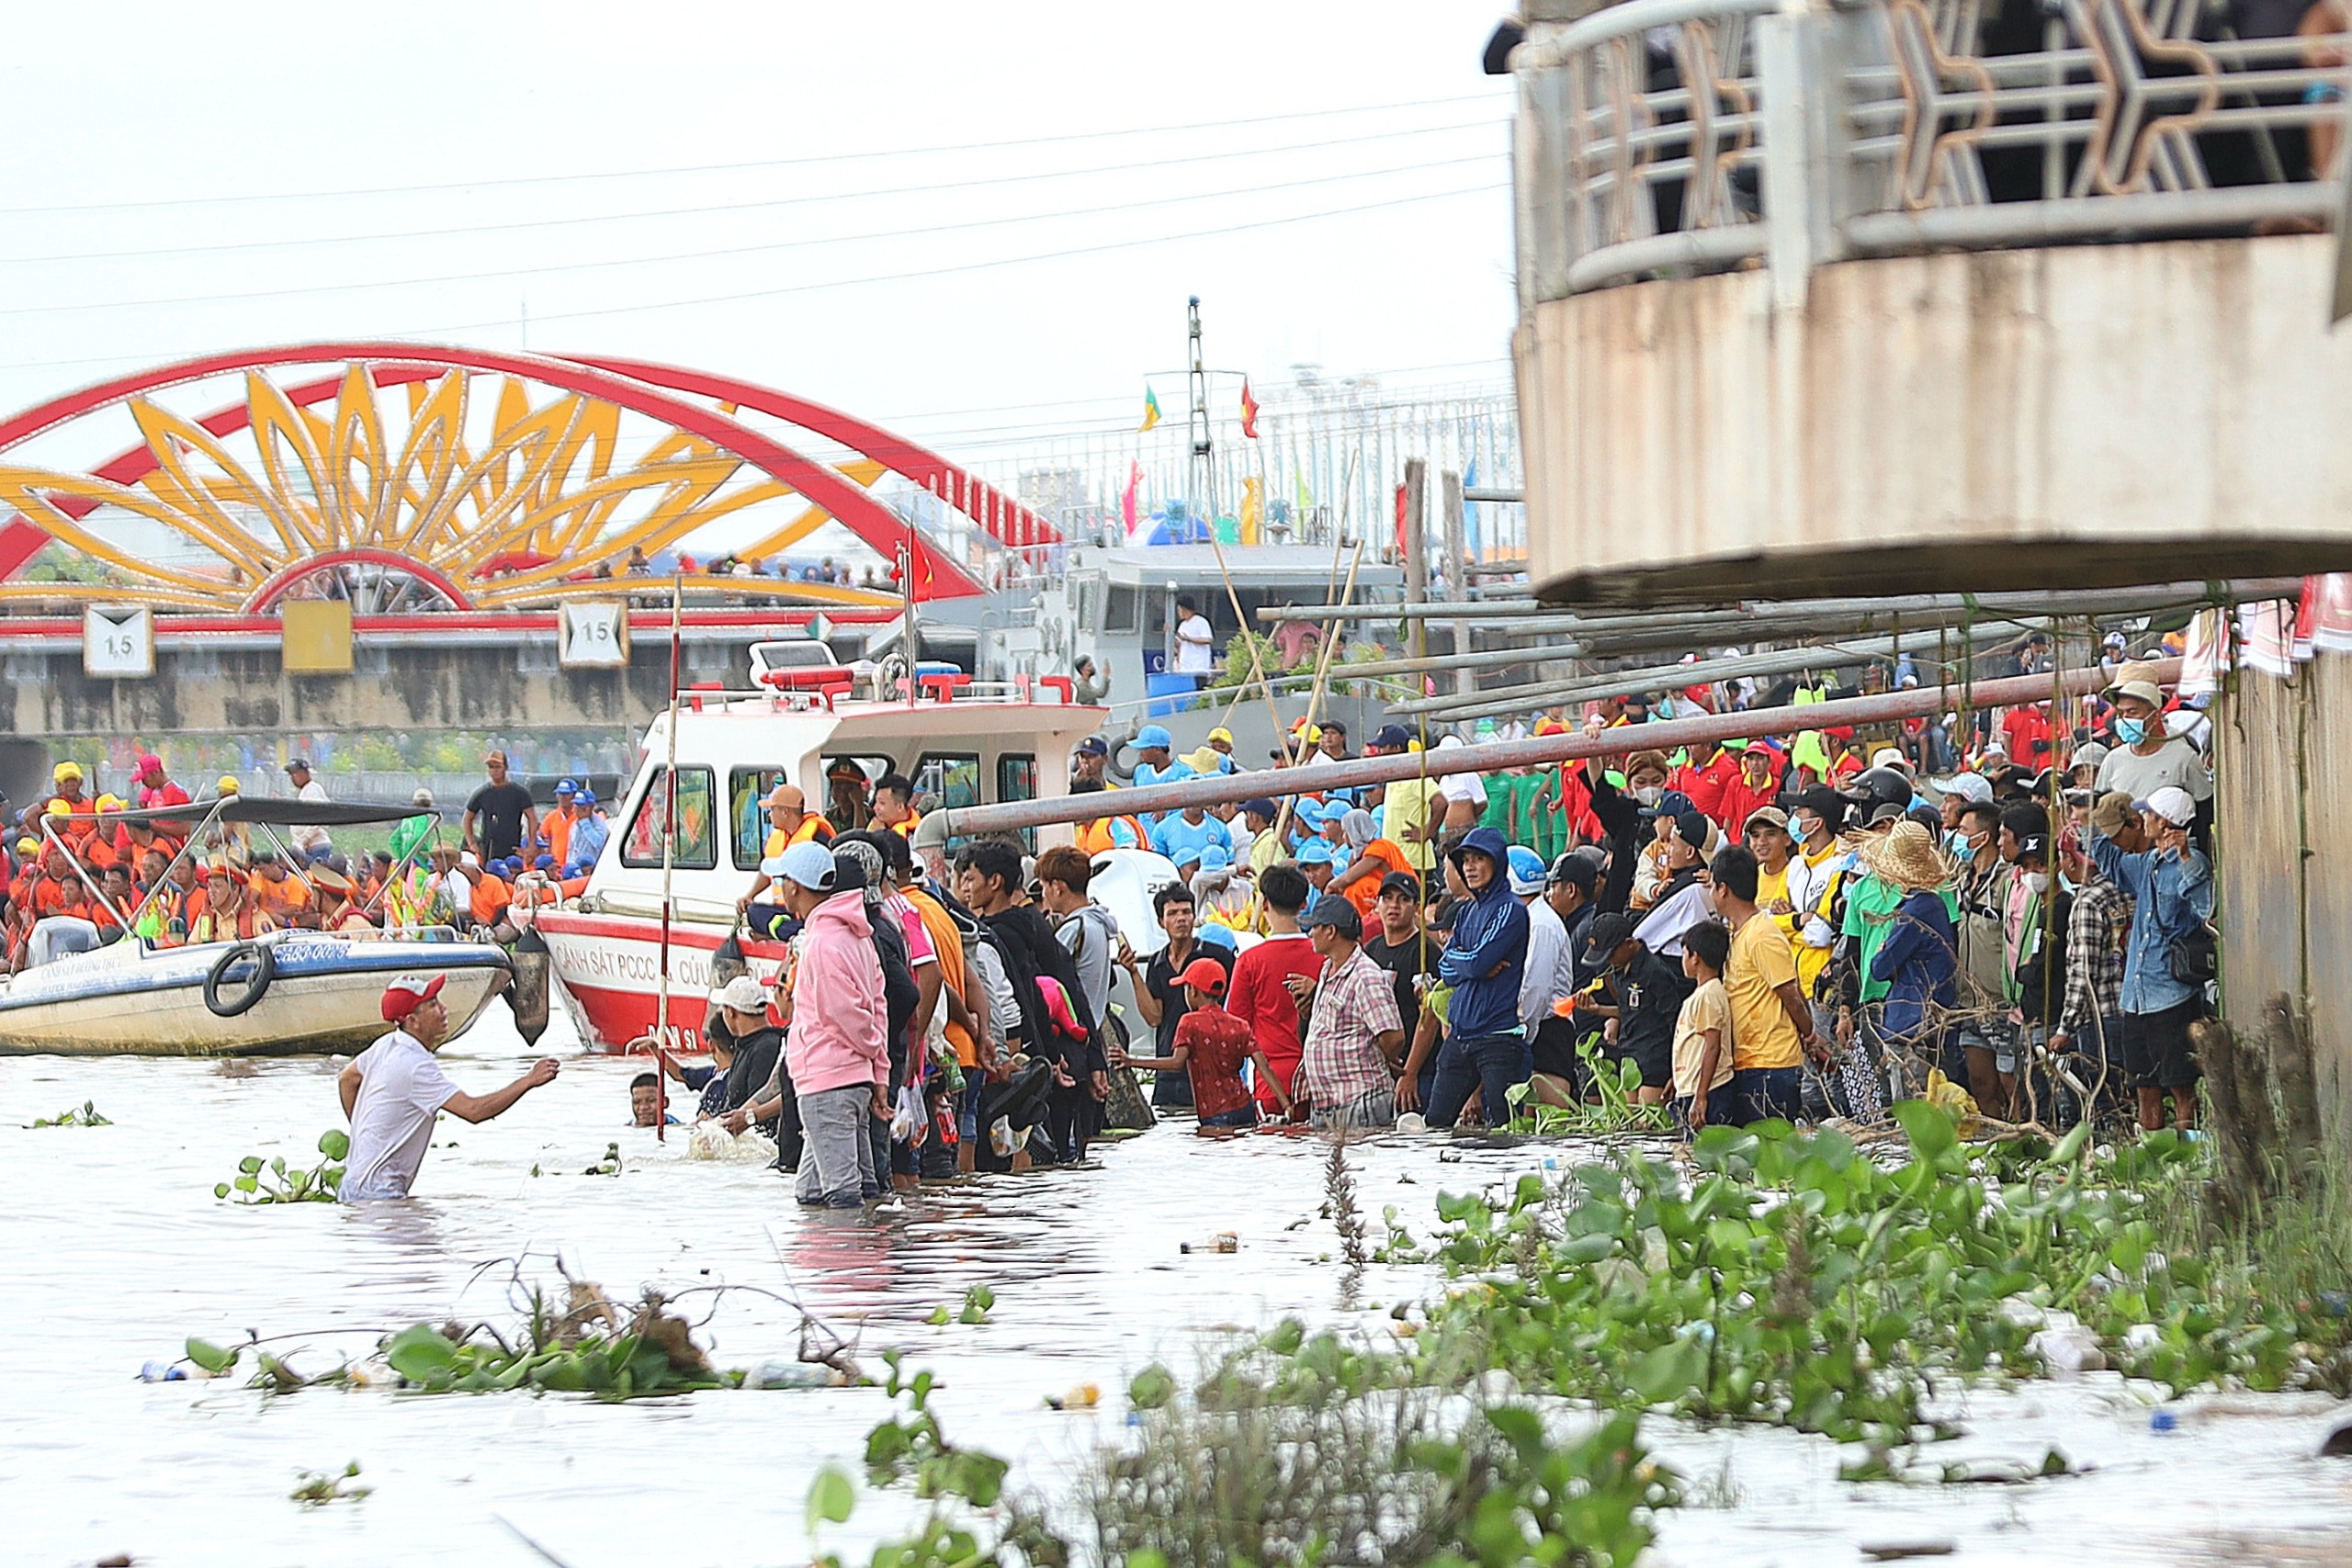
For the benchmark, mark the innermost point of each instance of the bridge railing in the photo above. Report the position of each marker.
(1680, 136)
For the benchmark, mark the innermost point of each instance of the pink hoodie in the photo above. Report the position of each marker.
(838, 1018)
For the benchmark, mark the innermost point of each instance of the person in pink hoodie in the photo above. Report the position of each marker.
(841, 1068)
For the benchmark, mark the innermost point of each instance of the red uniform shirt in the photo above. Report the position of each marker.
(1258, 998)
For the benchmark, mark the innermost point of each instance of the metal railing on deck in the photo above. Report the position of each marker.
(1691, 136)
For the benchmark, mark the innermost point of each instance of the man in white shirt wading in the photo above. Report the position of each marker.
(393, 1091)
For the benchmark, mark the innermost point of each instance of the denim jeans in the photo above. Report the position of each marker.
(837, 1160)
(1492, 1062)
(1762, 1093)
(1247, 1116)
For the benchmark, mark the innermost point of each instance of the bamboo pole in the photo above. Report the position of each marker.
(669, 866)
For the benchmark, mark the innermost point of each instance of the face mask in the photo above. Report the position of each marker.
(2037, 881)
(1650, 795)
(1964, 851)
(2130, 731)
(1803, 827)
(2069, 883)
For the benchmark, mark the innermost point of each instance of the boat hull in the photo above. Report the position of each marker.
(326, 998)
(608, 971)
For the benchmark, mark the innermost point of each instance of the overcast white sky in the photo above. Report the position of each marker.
(137, 131)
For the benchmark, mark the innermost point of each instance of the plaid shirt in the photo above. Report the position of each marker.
(2095, 934)
(1354, 1004)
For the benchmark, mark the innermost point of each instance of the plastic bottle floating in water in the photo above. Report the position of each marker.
(1224, 1241)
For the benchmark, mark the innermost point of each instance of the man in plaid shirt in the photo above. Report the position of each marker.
(1354, 1035)
(2091, 1023)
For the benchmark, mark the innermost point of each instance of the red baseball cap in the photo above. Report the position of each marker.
(1204, 975)
(408, 993)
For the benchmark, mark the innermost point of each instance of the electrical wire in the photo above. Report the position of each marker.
(1250, 121)
(471, 230)
(923, 231)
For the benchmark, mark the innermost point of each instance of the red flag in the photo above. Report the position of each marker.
(1248, 411)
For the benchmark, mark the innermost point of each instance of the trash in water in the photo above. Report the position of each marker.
(2162, 1420)
(162, 1372)
(711, 1140)
(1897, 1551)
(1085, 1396)
(1224, 1241)
(791, 1375)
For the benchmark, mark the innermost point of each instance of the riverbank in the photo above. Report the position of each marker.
(120, 1252)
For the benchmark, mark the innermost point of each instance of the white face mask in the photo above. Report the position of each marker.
(2037, 881)
(1649, 794)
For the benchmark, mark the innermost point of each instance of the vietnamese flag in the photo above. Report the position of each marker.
(1248, 411)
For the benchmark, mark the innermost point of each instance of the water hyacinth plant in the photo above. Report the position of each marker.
(276, 1182)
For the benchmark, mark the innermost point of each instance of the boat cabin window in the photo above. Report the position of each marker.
(747, 817)
(950, 778)
(1016, 779)
(698, 842)
(1120, 608)
(849, 789)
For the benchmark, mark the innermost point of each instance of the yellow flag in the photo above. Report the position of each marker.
(1252, 510)
(1150, 409)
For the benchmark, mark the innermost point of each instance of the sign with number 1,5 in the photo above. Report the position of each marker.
(118, 641)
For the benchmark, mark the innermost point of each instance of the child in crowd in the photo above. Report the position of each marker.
(1703, 1030)
(1211, 1045)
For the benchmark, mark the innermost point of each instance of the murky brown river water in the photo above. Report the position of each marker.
(115, 1250)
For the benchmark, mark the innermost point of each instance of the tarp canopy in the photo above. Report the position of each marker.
(263, 811)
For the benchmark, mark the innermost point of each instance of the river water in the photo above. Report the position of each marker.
(116, 1251)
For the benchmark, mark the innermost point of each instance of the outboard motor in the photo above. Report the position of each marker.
(529, 995)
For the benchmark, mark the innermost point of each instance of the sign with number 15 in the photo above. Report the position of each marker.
(593, 635)
(118, 641)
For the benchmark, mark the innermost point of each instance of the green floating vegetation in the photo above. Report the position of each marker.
(1791, 1278)
(1614, 1109)
(277, 1183)
(318, 1488)
(977, 1302)
(87, 1116)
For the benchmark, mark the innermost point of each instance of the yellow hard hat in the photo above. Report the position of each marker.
(228, 785)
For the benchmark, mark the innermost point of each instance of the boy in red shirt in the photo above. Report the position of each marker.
(1272, 980)
(1210, 1045)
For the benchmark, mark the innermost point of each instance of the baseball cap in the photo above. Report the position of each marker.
(1693, 829)
(1204, 975)
(585, 797)
(1094, 746)
(408, 993)
(1973, 787)
(1315, 851)
(300, 764)
(1576, 870)
(148, 762)
(2089, 754)
(744, 994)
(1402, 882)
(1888, 756)
(64, 770)
(1262, 806)
(1888, 811)
(1392, 736)
(567, 786)
(1604, 936)
(1770, 816)
(1154, 736)
(810, 865)
(1221, 733)
(2172, 802)
(1527, 870)
(1332, 910)
(1216, 857)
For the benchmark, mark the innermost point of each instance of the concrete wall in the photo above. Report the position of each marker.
(2075, 414)
(244, 693)
(2284, 862)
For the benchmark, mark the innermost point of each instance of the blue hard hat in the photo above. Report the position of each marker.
(1527, 870)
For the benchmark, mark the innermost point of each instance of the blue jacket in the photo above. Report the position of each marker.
(1490, 929)
(1917, 961)
(2172, 894)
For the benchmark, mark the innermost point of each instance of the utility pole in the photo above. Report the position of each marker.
(1417, 553)
(1204, 472)
(1457, 574)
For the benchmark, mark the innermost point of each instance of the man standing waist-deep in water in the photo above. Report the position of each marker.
(393, 1091)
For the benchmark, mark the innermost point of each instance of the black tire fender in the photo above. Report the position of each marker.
(265, 970)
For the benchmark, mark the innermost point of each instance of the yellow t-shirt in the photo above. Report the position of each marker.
(1704, 1008)
(1404, 808)
(1761, 1034)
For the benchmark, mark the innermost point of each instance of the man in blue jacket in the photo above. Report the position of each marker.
(1486, 1046)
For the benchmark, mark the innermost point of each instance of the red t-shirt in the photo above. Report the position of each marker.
(1258, 998)
(1215, 1044)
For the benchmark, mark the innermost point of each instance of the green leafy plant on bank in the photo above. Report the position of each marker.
(277, 1183)
(87, 1116)
(1612, 1109)
(1789, 1278)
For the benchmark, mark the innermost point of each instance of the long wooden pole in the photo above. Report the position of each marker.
(668, 865)
(1538, 751)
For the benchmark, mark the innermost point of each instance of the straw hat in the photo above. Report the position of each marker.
(1907, 856)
